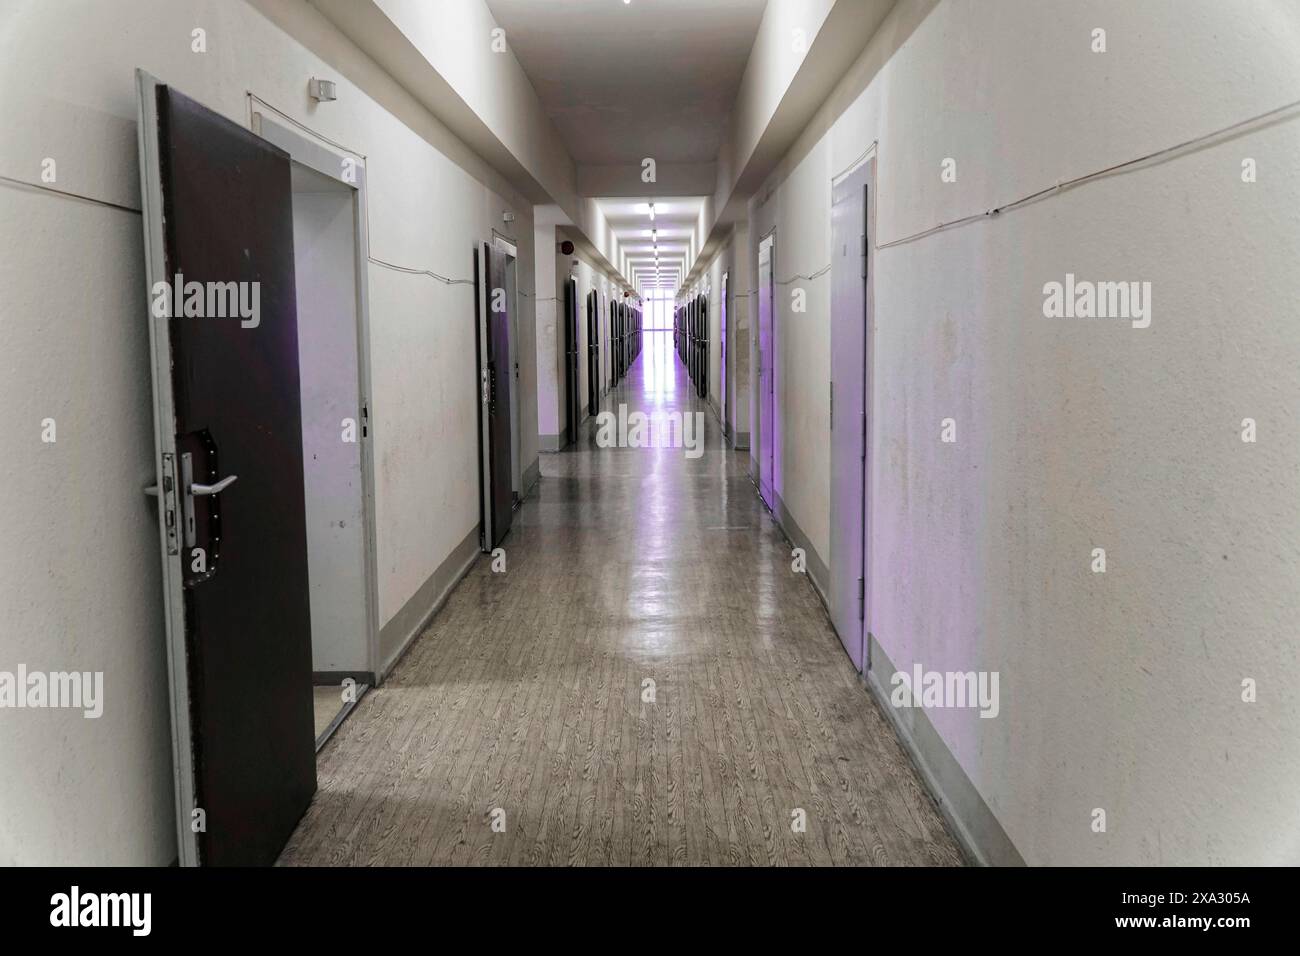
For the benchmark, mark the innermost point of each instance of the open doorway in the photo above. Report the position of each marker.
(510, 250)
(329, 278)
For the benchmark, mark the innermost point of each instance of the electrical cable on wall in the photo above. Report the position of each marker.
(1059, 186)
(131, 209)
(1056, 188)
(784, 282)
(366, 163)
(420, 272)
(45, 187)
(306, 129)
(1063, 185)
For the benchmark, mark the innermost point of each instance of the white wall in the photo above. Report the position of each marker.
(1119, 690)
(774, 62)
(79, 573)
(550, 341)
(446, 51)
(743, 307)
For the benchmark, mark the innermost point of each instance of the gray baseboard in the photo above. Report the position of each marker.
(407, 624)
(972, 822)
(817, 571)
(532, 474)
(330, 678)
(550, 443)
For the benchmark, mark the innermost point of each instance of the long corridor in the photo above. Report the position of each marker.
(648, 682)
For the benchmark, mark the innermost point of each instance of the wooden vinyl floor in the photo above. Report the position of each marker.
(648, 683)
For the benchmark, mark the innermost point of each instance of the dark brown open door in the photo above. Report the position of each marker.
(704, 347)
(497, 496)
(572, 397)
(593, 352)
(228, 428)
(722, 351)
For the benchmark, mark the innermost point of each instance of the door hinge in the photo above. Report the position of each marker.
(862, 598)
(864, 436)
(832, 406)
(365, 419)
(864, 255)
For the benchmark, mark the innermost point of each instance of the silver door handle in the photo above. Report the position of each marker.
(197, 489)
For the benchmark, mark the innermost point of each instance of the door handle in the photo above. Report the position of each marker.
(218, 488)
(189, 490)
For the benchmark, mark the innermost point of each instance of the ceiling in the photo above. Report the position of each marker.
(625, 81)
(676, 219)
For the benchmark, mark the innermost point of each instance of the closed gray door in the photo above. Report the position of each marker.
(766, 385)
(849, 319)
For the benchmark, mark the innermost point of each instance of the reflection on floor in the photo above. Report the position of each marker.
(332, 705)
(647, 683)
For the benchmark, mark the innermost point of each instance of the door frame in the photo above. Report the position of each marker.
(331, 164)
(151, 202)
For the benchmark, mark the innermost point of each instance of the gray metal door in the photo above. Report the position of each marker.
(766, 384)
(849, 362)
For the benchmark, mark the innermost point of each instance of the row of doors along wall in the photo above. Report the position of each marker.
(625, 325)
(620, 351)
(264, 463)
(632, 321)
(613, 343)
(691, 333)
